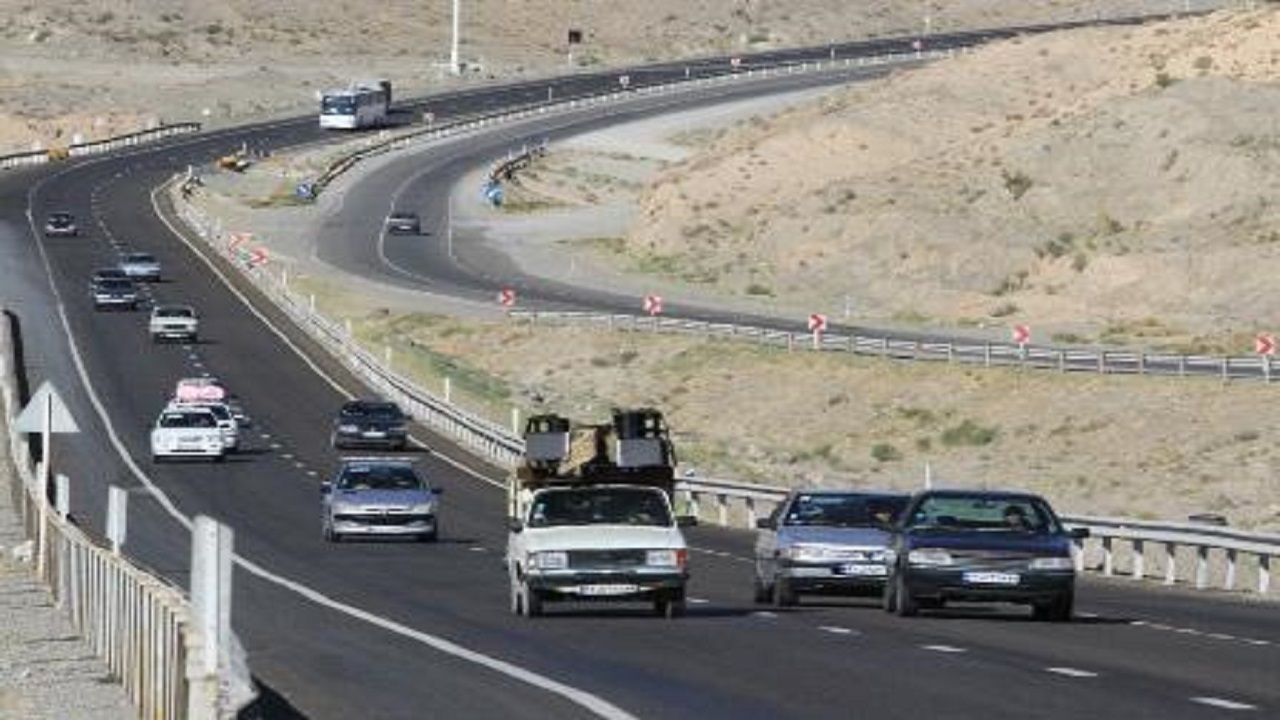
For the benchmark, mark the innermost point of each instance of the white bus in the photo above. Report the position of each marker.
(357, 107)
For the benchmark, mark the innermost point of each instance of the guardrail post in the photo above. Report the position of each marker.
(1170, 563)
(1102, 362)
(986, 354)
(1182, 365)
(751, 512)
(722, 509)
(1062, 361)
(1202, 567)
(1264, 574)
(1226, 368)
(1139, 560)
(1229, 580)
(1108, 557)
(1077, 554)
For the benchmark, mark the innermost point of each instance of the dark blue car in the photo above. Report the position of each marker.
(981, 546)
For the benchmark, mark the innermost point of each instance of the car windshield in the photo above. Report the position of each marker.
(372, 412)
(116, 284)
(843, 510)
(380, 477)
(599, 506)
(139, 259)
(188, 420)
(175, 312)
(60, 219)
(983, 514)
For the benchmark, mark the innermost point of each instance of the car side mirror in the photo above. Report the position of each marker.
(765, 524)
(686, 520)
(515, 525)
(1079, 533)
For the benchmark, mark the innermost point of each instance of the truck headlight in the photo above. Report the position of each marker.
(929, 556)
(1052, 563)
(552, 560)
(665, 558)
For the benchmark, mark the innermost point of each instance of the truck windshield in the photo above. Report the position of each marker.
(599, 506)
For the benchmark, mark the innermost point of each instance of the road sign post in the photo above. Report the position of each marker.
(817, 326)
(45, 414)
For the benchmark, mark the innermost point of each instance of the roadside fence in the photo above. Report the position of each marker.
(97, 147)
(174, 660)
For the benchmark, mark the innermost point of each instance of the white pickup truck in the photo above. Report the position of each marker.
(591, 518)
(173, 322)
(597, 542)
(187, 432)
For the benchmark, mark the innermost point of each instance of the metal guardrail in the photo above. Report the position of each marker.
(1060, 359)
(131, 619)
(97, 147)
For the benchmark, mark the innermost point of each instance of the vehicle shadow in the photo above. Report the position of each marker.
(1012, 614)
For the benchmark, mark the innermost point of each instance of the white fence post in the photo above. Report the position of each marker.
(1108, 559)
(1139, 560)
(1264, 574)
(1170, 563)
(1229, 580)
(1202, 567)
(117, 517)
(209, 635)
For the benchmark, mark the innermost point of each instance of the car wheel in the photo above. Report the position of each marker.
(762, 591)
(670, 606)
(904, 604)
(784, 595)
(531, 599)
(330, 535)
(1057, 610)
(889, 601)
(220, 458)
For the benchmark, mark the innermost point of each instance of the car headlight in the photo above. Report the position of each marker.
(551, 560)
(348, 428)
(805, 553)
(423, 509)
(1052, 563)
(929, 556)
(665, 558)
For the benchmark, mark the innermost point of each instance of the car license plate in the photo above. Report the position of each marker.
(607, 589)
(374, 434)
(861, 570)
(992, 578)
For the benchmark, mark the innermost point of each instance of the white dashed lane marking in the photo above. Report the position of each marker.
(943, 648)
(1227, 637)
(1071, 672)
(764, 614)
(836, 630)
(478, 549)
(698, 601)
(1223, 703)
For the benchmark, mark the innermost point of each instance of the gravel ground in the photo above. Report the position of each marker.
(47, 672)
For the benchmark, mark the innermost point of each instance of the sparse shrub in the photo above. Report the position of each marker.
(968, 433)
(1079, 262)
(1004, 310)
(1016, 183)
(759, 290)
(1202, 63)
(884, 452)
(1164, 80)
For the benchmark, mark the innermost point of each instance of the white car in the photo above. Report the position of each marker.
(227, 422)
(173, 322)
(140, 266)
(187, 432)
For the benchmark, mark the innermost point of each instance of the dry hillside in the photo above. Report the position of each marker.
(1105, 185)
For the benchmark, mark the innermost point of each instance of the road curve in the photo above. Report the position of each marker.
(360, 629)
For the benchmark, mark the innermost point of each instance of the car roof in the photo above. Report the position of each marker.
(1010, 494)
(858, 492)
(369, 404)
(60, 214)
(138, 255)
(170, 307)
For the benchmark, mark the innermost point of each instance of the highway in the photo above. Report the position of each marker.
(399, 630)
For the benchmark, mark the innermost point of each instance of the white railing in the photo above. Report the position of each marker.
(96, 147)
(137, 623)
(935, 348)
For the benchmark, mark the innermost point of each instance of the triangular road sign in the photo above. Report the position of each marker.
(46, 400)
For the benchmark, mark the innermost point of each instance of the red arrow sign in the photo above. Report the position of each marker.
(653, 304)
(258, 257)
(507, 297)
(1021, 334)
(1264, 344)
(817, 323)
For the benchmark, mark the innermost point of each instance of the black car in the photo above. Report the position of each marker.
(981, 546)
(403, 223)
(370, 423)
(61, 224)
